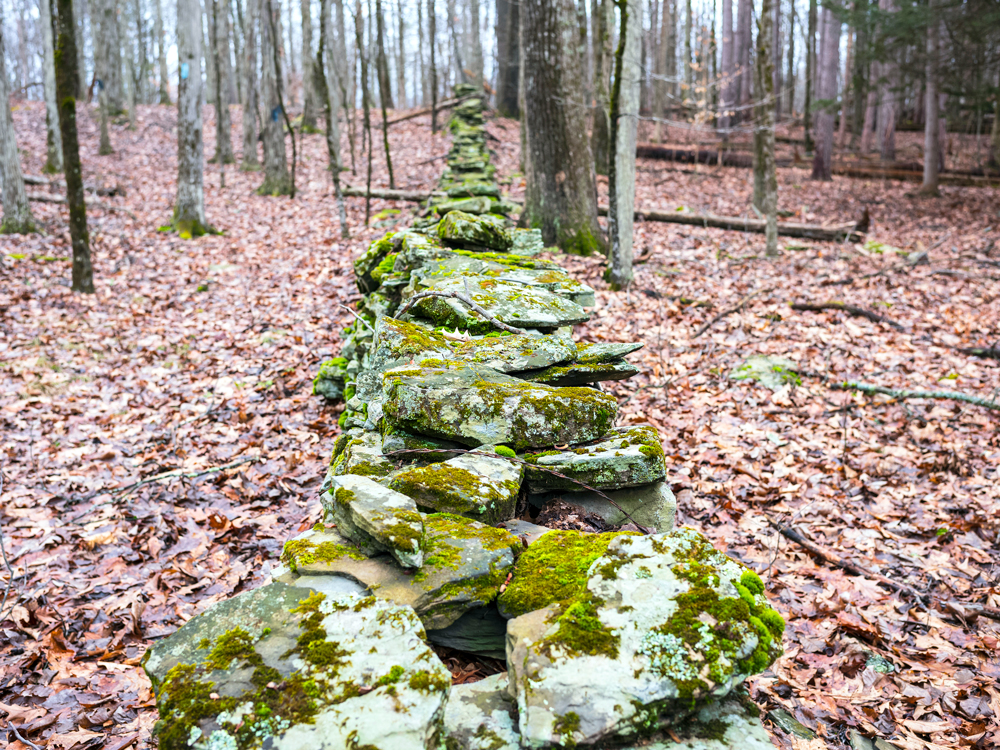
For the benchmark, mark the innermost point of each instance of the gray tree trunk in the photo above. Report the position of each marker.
(887, 101)
(456, 45)
(107, 53)
(277, 180)
(17, 217)
(189, 212)
(776, 60)
(161, 46)
(602, 14)
(331, 91)
(401, 98)
(660, 87)
(227, 74)
(308, 83)
(208, 50)
(807, 116)
(744, 41)
(53, 139)
(220, 51)
(764, 167)
(688, 59)
(561, 196)
(871, 104)
(845, 89)
(250, 163)
(508, 56)
(624, 128)
(475, 44)
(932, 140)
(728, 68)
(80, 12)
(829, 64)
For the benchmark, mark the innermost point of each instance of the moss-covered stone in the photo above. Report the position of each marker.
(466, 230)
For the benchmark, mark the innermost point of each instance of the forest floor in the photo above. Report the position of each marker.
(160, 440)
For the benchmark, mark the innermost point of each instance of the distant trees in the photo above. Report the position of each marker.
(189, 208)
(17, 217)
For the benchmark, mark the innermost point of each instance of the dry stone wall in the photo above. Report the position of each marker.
(470, 409)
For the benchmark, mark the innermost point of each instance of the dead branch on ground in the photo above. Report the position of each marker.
(850, 309)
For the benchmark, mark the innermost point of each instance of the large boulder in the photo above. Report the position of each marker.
(481, 716)
(476, 405)
(376, 518)
(664, 624)
(288, 667)
(479, 485)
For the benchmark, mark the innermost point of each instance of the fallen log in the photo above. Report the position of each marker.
(446, 104)
(414, 196)
(44, 198)
(849, 309)
(30, 179)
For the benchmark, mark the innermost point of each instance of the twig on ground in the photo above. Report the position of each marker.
(850, 309)
(730, 311)
(369, 325)
(29, 743)
(992, 352)
(838, 562)
(900, 395)
(463, 299)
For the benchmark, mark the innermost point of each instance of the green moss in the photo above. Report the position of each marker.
(235, 644)
(428, 682)
(391, 678)
(452, 489)
(299, 552)
(564, 726)
(580, 631)
(752, 582)
(503, 450)
(384, 268)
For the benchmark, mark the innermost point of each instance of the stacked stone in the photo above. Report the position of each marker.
(455, 416)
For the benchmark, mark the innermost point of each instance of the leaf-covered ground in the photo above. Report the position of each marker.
(160, 440)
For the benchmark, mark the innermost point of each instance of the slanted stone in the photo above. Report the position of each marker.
(405, 445)
(513, 303)
(360, 454)
(466, 230)
(594, 354)
(465, 564)
(625, 457)
(526, 531)
(481, 716)
(475, 405)
(369, 263)
(474, 206)
(329, 381)
(376, 518)
(664, 625)
(479, 485)
(581, 374)
(731, 723)
(288, 667)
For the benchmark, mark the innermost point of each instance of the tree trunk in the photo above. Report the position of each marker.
(744, 42)
(846, 89)
(829, 63)
(859, 78)
(131, 89)
(994, 158)
(220, 50)
(456, 46)
(790, 84)
(688, 59)
(561, 196)
(226, 72)
(107, 53)
(189, 212)
(359, 34)
(432, 33)
(341, 70)
(17, 217)
(67, 80)
(277, 181)
(330, 92)
(161, 52)
(602, 13)
(765, 168)
(250, 163)
(887, 100)
(80, 12)
(508, 57)
(624, 127)
(776, 60)
(401, 97)
(53, 140)
(728, 69)
(475, 44)
(236, 23)
(425, 94)
(932, 142)
(385, 94)
(807, 112)
(868, 128)
(308, 85)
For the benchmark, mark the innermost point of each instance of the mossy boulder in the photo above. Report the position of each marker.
(331, 378)
(476, 405)
(481, 716)
(375, 518)
(664, 625)
(475, 189)
(288, 667)
(475, 206)
(362, 455)
(516, 304)
(477, 485)
(527, 242)
(625, 457)
(367, 264)
(460, 229)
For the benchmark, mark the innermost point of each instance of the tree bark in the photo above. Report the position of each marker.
(401, 97)
(602, 13)
(475, 44)
(189, 211)
(250, 162)
(728, 69)
(432, 33)
(790, 84)
(456, 46)
(624, 127)
(220, 51)
(829, 63)
(932, 143)
(277, 180)
(508, 57)
(53, 140)
(744, 42)
(887, 100)
(561, 196)
(845, 89)
(776, 60)
(330, 92)
(227, 74)
(807, 112)
(80, 12)
(107, 53)
(67, 81)
(359, 34)
(308, 84)
(385, 94)
(161, 52)
(688, 58)
(17, 217)
(765, 168)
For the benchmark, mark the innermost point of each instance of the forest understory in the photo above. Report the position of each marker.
(160, 437)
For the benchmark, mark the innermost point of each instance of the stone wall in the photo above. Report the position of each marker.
(470, 409)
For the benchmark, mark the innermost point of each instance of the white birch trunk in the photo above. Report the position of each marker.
(53, 138)
(189, 212)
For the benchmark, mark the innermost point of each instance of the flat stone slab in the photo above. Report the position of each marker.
(650, 505)
(515, 304)
(475, 188)
(466, 230)
(479, 485)
(288, 667)
(595, 354)
(527, 242)
(626, 457)
(581, 374)
(526, 531)
(376, 518)
(465, 564)
(476, 405)
(664, 624)
(475, 205)
(726, 724)
(359, 453)
(481, 716)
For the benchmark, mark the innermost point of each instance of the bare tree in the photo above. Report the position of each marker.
(53, 139)
(107, 53)
(330, 92)
(189, 211)
(250, 163)
(932, 141)
(277, 180)
(561, 196)
(624, 115)
(220, 50)
(161, 51)
(728, 65)
(508, 56)
(308, 84)
(601, 19)
(385, 94)
(776, 59)
(744, 42)
(17, 217)
(764, 165)
(432, 34)
(829, 64)
(807, 116)
(887, 100)
(401, 98)
(475, 44)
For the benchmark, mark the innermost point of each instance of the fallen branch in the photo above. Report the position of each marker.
(730, 311)
(900, 395)
(446, 104)
(42, 198)
(850, 309)
(30, 179)
(838, 562)
(992, 352)
(414, 196)
(465, 300)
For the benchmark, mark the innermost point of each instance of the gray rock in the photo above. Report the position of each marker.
(651, 505)
(476, 405)
(474, 188)
(361, 455)
(464, 566)
(515, 304)
(626, 457)
(770, 372)
(664, 624)
(375, 518)
(479, 485)
(405, 445)
(481, 631)
(525, 530)
(466, 230)
(527, 242)
(595, 354)
(360, 664)
(481, 716)
(738, 724)
(475, 206)
(581, 374)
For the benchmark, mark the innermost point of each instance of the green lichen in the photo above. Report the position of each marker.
(394, 675)
(384, 268)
